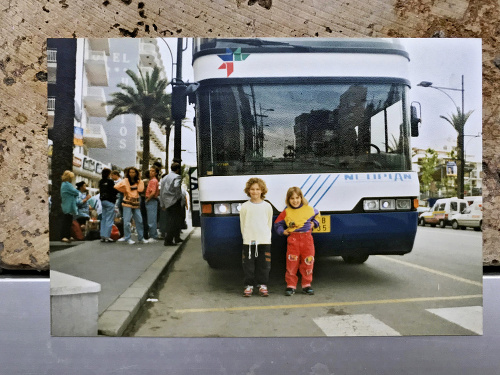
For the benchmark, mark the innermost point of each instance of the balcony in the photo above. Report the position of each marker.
(149, 69)
(99, 44)
(148, 53)
(94, 136)
(94, 102)
(96, 66)
(51, 65)
(51, 110)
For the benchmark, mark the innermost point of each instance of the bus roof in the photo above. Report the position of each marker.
(207, 46)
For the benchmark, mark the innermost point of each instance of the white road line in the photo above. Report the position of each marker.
(354, 325)
(431, 270)
(468, 317)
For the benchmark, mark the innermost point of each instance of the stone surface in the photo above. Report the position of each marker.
(27, 24)
(73, 305)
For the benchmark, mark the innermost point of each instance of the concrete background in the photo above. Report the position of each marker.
(26, 24)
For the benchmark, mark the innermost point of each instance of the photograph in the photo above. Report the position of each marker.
(338, 178)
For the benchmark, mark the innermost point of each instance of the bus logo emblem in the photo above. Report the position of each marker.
(230, 57)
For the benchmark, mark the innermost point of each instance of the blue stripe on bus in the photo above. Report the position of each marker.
(327, 177)
(304, 184)
(312, 186)
(314, 205)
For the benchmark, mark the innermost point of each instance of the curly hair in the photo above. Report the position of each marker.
(260, 182)
(297, 191)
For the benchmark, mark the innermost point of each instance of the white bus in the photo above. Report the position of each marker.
(331, 116)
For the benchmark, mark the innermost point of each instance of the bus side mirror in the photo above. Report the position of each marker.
(414, 121)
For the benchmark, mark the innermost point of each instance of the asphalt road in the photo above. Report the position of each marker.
(435, 290)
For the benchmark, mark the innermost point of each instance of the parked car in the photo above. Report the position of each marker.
(471, 217)
(442, 211)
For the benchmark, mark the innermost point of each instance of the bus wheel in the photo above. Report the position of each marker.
(477, 229)
(441, 224)
(455, 225)
(422, 222)
(354, 259)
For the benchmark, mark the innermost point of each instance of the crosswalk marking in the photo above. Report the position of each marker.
(354, 325)
(468, 317)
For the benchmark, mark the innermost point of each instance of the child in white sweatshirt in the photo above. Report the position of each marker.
(256, 220)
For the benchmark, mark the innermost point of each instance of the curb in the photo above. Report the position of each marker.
(115, 320)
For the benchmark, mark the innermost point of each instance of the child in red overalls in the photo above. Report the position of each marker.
(296, 221)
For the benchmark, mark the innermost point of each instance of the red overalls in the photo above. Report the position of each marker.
(299, 256)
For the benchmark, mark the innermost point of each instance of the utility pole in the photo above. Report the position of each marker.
(178, 121)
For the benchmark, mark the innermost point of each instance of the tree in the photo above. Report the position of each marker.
(458, 120)
(428, 166)
(62, 132)
(147, 100)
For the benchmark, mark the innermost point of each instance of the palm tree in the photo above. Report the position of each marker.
(147, 99)
(458, 120)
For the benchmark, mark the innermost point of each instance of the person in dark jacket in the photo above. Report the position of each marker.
(107, 194)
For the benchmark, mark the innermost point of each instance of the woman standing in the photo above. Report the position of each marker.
(131, 186)
(152, 193)
(107, 195)
(69, 195)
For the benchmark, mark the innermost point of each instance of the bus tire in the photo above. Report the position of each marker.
(455, 225)
(477, 229)
(355, 259)
(422, 222)
(442, 224)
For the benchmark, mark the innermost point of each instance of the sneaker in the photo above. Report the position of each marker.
(121, 239)
(103, 239)
(130, 242)
(152, 240)
(308, 290)
(143, 241)
(109, 240)
(248, 291)
(65, 240)
(289, 292)
(263, 292)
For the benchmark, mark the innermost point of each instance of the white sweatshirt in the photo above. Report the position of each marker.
(256, 220)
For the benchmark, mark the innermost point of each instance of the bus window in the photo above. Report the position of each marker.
(302, 128)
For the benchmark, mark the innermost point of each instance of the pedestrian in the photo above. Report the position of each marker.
(115, 175)
(107, 196)
(256, 220)
(170, 201)
(296, 222)
(144, 212)
(83, 214)
(69, 195)
(131, 186)
(152, 193)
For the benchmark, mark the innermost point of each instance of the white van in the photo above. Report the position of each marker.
(472, 216)
(442, 211)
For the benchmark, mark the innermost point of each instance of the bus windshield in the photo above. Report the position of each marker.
(302, 128)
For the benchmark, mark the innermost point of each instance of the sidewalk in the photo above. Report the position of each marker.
(126, 274)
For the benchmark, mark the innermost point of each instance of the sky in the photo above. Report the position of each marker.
(441, 61)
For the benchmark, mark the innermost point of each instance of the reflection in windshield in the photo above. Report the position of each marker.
(250, 129)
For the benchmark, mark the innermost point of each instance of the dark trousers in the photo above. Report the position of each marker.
(144, 217)
(256, 264)
(66, 221)
(174, 224)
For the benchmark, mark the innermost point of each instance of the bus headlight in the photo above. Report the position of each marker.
(370, 204)
(222, 208)
(387, 204)
(403, 204)
(235, 208)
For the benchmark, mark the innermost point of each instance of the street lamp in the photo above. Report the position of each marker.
(460, 130)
